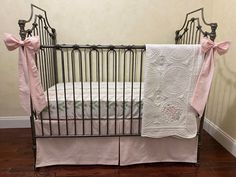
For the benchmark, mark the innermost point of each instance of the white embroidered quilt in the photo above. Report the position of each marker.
(171, 72)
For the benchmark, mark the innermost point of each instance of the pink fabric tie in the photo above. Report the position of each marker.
(203, 84)
(29, 80)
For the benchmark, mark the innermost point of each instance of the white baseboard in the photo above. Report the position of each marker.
(15, 122)
(222, 137)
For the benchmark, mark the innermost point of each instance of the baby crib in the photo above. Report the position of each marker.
(94, 100)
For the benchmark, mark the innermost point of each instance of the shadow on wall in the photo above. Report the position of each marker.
(221, 107)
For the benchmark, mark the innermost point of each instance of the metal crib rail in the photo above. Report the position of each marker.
(111, 47)
(101, 64)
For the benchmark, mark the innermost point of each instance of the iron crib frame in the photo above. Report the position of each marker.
(47, 63)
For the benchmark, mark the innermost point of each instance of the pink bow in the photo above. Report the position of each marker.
(203, 84)
(29, 80)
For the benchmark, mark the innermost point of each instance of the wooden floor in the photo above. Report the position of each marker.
(16, 159)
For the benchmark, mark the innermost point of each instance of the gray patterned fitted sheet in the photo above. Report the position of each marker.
(73, 104)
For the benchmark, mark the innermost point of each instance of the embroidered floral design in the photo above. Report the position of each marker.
(172, 111)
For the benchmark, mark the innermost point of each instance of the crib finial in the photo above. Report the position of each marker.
(213, 31)
(22, 32)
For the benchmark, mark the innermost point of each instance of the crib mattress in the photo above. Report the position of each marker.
(125, 95)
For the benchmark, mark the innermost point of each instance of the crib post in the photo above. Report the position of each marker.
(23, 34)
(33, 137)
(54, 42)
(176, 36)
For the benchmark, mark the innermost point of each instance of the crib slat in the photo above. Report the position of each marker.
(199, 34)
(64, 84)
(82, 88)
(140, 92)
(85, 63)
(123, 125)
(193, 30)
(115, 80)
(99, 99)
(73, 87)
(107, 53)
(190, 32)
(91, 92)
(44, 58)
(132, 90)
(68, 65)
(57, 106)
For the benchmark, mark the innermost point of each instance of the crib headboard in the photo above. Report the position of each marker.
(38, 24)
(194, 27)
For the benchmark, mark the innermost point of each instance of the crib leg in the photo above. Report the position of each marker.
(198, 150)
(33, 138)
(34, 152)
(199, 134)
(197, 164)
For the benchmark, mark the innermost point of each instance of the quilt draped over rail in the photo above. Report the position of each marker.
(171, 72)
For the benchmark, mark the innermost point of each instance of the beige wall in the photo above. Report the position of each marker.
(125, 22)
(222, 102)
(119, 21)
(94, 22)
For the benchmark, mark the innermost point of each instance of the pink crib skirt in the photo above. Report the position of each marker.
(111, 150)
